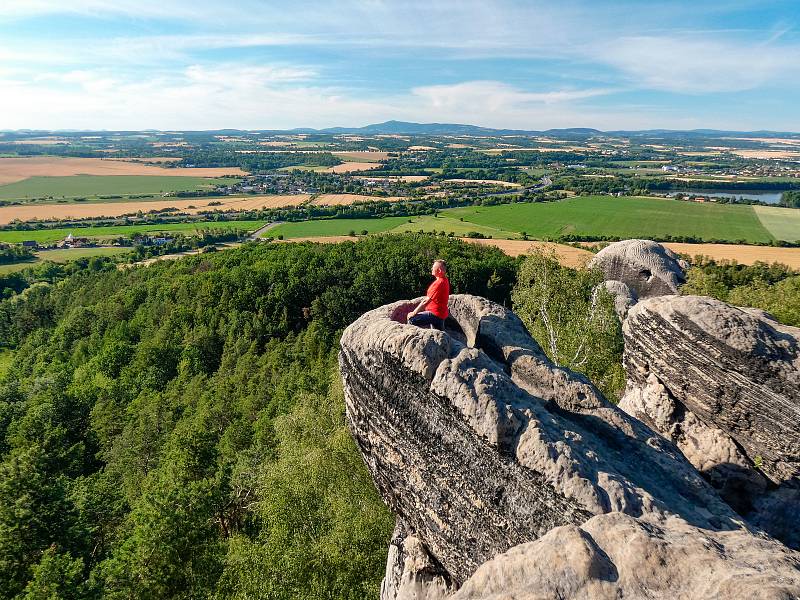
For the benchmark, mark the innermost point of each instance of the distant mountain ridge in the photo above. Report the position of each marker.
(410, 128)
(457, 129)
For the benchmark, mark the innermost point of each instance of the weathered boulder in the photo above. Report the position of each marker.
(618, 556)
(723, 384)
(624, 297)
(478, 443)
(646, 267)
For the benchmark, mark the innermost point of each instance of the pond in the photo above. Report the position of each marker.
(768, 196)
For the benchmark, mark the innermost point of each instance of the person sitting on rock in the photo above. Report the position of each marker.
(435, 303)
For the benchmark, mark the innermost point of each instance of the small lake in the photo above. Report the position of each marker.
(770, 197)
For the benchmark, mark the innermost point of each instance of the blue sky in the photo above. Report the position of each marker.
(197, 64)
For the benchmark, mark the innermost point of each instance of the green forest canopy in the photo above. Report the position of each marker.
(177, 430)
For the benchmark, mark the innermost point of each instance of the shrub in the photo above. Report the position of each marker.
(572, 319)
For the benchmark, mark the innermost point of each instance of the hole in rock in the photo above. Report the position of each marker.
(645, 274)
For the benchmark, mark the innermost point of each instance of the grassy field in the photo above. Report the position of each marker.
(783, 223)
(315, 169)
(44, 236)
(624, 217)
(63, 256)
(635, 163)
(329, 227)
(87, 186)
(13, 268)
(363, 157)
(535, 171)
(429, 223)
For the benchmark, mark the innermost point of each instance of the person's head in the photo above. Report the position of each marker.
(439, 268)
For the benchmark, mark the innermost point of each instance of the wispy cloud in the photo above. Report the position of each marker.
(506, 63)
(277, 97)
(199, 10)
(496, 96)
(699, 64)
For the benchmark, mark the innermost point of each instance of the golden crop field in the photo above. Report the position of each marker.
(30, 212)
(745, 255)
(349, 167)
(18, 169)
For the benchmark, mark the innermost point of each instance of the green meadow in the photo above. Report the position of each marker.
(312, 168)
(328, 227)
(783, 223)
(88, 186)
(429, 223)
(590, 216)
(625, 217)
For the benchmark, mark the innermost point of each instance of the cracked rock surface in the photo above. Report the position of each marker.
(478, 444)
(723, 383)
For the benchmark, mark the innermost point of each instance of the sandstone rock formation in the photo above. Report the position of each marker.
(723, 384)
(411, 572)
(618, 556)
(646, 267)
(624, 297)
(478, 444)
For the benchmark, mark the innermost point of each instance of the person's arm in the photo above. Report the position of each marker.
(420, 306)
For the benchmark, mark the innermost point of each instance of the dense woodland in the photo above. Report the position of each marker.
(217, 156)
(774, 288)
(791, 199)
(177, 430)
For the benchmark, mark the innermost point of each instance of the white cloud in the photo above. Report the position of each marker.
(611, 37)
(231, 75)
(172, 10)
(496, 96)
(700, 64)
(160, 75)
(200, 97)
(267, 97)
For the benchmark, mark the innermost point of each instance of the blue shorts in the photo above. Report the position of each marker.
(426, 319)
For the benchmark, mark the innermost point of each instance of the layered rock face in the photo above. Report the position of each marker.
(723, 383)
(479, 444)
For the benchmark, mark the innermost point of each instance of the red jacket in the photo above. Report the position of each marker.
(439, 293)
